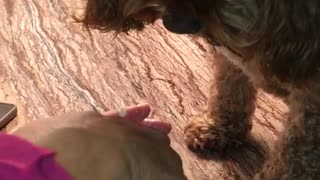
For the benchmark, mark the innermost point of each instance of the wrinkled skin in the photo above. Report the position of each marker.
(90, 145)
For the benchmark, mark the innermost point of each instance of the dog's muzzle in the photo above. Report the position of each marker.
(181, 24)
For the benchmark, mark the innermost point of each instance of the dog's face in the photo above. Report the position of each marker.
(181, 17)
(189, 16)
(178, 16)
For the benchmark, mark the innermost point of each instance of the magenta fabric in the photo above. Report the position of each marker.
(21, 160)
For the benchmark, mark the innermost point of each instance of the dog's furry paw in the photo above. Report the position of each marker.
(202, 135)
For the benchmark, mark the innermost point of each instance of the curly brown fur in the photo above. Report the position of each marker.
(278, 41)
(118, 15)
(227, 119)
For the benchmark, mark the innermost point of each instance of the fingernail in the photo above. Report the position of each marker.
(157, 125)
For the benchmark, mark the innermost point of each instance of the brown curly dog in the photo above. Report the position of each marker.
(278, 42)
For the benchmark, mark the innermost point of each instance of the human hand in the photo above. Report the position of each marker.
(107, 146)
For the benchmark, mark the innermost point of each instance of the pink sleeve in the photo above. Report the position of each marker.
(20, 159)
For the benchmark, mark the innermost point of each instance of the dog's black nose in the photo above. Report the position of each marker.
(181, 24)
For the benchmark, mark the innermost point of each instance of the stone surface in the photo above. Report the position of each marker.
(50, 66)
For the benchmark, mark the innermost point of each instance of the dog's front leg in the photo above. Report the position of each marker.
(297, 154)
(227, 121)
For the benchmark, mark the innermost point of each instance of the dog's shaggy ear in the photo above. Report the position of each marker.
(118, 15)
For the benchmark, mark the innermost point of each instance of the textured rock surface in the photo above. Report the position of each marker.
(49, 66)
